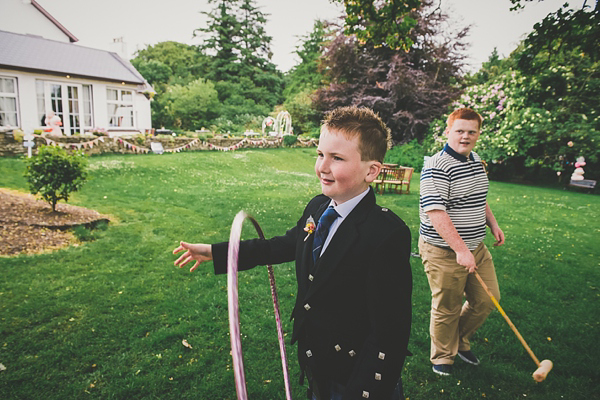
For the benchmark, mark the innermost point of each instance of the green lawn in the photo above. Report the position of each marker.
(106, 319)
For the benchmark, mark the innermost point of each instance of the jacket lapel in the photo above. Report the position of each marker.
(307, 258)
(344, 238)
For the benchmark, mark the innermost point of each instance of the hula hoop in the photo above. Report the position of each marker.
(233, 306)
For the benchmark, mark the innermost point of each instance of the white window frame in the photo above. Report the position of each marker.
(116, 119)
(14, 95)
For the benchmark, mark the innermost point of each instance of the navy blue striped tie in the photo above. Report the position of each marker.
(322, 231)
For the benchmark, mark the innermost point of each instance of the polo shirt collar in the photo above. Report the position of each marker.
(459, 157)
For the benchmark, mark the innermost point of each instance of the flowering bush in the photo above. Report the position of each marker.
(519, 133)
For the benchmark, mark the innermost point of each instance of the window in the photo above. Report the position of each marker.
(120, 108)
(8, 102)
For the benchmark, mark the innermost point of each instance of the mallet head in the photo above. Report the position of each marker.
(540, 374)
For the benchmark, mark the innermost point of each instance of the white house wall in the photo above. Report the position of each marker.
(27, 101)
(29, 21)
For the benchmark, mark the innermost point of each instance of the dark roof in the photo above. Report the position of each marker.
(46, 14)
(34, 53)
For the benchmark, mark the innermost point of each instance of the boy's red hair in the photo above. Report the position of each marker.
(466, 114)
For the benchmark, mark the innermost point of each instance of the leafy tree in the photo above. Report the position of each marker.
(193, 105)
(164, 65)
(184, 62)
(154, 71)
(407, 89)
(54, 173)
(381, 23)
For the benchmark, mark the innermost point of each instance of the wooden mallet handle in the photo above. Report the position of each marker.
(543, 367)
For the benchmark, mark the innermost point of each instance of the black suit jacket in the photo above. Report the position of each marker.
(353, 310)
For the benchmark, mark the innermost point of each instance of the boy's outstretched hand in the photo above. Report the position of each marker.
(200, 252)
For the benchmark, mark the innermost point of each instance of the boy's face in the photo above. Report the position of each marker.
(463, 135)
(342, 173)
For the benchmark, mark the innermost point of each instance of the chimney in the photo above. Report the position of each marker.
(119, 46)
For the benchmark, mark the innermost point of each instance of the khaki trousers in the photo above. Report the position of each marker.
(452, 322)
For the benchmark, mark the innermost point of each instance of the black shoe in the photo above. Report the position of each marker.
(442, 369)
(468, 357)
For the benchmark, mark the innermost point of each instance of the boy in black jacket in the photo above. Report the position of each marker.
(353, 311)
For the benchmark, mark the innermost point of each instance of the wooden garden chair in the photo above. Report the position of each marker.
(379, 180)
(394, 178)
(405, 188)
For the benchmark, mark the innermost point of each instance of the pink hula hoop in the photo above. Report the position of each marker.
(233, 305)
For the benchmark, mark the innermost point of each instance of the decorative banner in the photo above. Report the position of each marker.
(89, 144)
(228, 148)
(140, 149)
(310, 141)
(185, 146)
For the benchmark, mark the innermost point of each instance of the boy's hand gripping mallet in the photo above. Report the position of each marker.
(543, 367)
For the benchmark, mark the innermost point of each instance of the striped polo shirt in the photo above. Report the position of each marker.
(457, 185)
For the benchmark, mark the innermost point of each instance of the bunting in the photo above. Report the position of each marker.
(241, 143)
(81, 145)
(141, 149)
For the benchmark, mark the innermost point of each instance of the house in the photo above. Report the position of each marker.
(43, 70)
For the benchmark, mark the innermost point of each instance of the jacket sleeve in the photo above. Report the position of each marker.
(276, 250)
(389, 285)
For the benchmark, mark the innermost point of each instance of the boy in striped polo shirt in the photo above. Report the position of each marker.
(454, 213)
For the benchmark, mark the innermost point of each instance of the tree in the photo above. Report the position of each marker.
(184, 62)
(407, 89)
(381, 23)
(222, 35)
(193, 105)
(54, 173)
(306, 75)
(166, 64)
(305, 78)
(236, 36)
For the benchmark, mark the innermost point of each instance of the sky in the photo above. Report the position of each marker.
(146, 22)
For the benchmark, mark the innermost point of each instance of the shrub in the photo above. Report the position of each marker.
(140, 139)
(289, 140)
(409, 155)
(54, 173)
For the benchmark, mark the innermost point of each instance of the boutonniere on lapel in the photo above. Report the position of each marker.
(310, 227)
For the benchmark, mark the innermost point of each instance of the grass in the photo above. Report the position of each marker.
(106, 319)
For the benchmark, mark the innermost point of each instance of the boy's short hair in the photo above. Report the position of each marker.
(466, 114)
(373, 135)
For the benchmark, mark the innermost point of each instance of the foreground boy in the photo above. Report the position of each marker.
(353, 311)
(454, 213)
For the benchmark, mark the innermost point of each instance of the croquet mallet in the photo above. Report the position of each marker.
(543, 367)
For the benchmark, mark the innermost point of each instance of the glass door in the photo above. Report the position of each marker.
(74, 108)
(56, 102)
(66, 102)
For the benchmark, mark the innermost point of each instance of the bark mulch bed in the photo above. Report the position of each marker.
(28, 225)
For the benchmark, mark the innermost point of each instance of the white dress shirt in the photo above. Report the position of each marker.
(343, 210)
